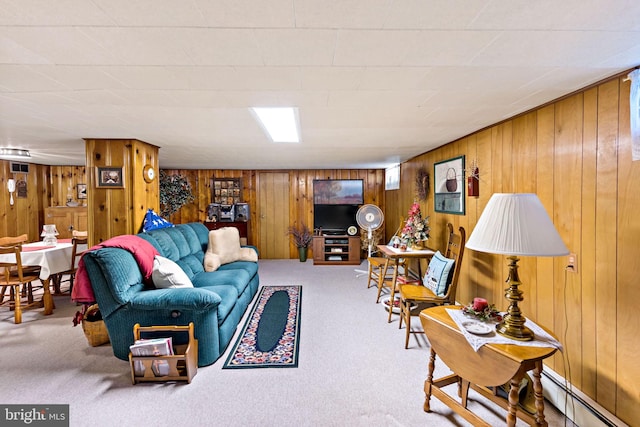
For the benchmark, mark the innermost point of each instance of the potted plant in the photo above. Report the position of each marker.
(302, 238)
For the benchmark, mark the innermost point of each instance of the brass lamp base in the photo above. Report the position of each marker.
(515, 333)
(512, 325)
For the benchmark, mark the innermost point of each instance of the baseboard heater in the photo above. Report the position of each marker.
(580, 409)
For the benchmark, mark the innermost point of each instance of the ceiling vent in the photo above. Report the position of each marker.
(19, 167)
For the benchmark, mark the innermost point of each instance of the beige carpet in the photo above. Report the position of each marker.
(353, 370)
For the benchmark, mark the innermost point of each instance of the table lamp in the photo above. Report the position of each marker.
(515, 225)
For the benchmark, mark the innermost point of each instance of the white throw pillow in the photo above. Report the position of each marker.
(438, 274)
(168, 274)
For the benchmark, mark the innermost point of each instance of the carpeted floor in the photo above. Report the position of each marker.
(353, 369)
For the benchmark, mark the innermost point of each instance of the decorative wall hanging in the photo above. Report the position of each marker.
(226, 191)
(422, 183)
(175, 192)
(21, 188)
(82, 191)
(449, 186)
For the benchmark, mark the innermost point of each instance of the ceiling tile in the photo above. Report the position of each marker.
(248, 13)
(296, 47)
(369, 14)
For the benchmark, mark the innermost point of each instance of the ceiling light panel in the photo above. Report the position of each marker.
(280, 123)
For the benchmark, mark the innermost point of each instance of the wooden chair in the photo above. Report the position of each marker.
(14, 276)
(78, 238)
(385, 280)
(10, 241)
(416, 293)
(378, 269)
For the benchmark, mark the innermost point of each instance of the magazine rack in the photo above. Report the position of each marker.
(183, 365)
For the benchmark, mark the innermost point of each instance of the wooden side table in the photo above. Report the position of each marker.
(394, 256)
(491, 366)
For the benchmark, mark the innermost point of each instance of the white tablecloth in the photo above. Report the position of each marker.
(540, 339)
(411, 251)
(51, 260)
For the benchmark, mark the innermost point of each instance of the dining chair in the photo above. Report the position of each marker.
(417, 293)
(78, 238)
(31, 269)
(15, 276)
(378, 270)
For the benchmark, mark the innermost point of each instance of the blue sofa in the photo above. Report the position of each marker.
(215, 304)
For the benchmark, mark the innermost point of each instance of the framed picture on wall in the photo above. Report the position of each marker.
(226, 191)
(449, 186)
(82, 191)
(109, 177)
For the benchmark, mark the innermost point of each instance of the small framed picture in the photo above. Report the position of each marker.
(109, 177)
(82, 191)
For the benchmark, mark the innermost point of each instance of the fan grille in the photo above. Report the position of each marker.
(369, 217)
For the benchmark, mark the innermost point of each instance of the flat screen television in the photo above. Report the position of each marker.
(334, 219)
(338, 192)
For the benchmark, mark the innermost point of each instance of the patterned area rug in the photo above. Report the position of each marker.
(271, 335)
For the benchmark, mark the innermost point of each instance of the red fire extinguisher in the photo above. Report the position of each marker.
(473, 183)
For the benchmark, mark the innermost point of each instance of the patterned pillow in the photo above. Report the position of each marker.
(439, 274)
(153, 221)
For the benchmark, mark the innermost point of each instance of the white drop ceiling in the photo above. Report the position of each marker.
(375, 81)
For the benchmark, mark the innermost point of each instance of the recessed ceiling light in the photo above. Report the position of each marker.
(280, 123)
(14, 152)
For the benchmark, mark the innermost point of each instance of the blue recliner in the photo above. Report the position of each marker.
(215, 304)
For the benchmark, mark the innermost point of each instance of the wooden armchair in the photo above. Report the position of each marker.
(78, 238)
(416, 293)
(14, 276)
(10, 241)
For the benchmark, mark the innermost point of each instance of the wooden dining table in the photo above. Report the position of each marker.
(51, 259)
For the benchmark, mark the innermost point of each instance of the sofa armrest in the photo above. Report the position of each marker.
(176, 299)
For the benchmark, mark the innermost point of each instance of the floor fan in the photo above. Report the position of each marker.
(369, 217)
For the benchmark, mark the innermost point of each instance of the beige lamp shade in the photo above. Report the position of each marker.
(516, 224)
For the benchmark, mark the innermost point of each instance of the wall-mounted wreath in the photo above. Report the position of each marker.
(422, 183)
(175, 192)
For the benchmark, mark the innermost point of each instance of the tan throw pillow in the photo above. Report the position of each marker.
(248, 254)
(211, 261)
(224, 247)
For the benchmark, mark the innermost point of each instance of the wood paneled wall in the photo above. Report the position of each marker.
(55, 182)
(300, 200)
(576, 155)
(64, 181)
(117, 211)
(27, 214)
